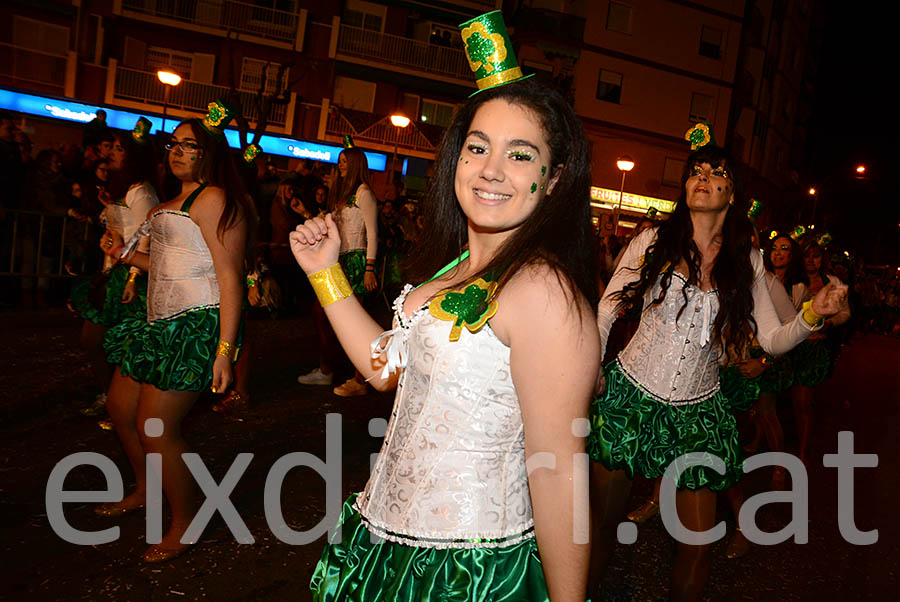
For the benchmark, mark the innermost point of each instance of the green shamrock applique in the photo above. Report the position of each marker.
(469, 307)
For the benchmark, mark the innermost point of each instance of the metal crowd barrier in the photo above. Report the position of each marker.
(27, 241)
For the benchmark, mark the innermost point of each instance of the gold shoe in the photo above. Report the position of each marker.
(644, 513)
(738, 546)
(111, 510)
(106, 425)
(156, 553)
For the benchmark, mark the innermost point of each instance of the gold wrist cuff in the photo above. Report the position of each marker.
(228, 350)
(132, 276)
(810, 316)
(330, 285)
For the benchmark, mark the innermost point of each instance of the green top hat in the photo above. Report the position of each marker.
(348, 141)
(798, 232)
(651, 213)
(141, 131)
(700, 135)
(219, 114)
(824, 240)
(490, 51)
(755, 210)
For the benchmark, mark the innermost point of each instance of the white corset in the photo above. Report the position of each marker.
(673, 358)
(452, 467)
(352, 227)
(125, 219)
(182, 276)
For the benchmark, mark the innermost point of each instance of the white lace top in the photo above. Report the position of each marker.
(671, 358)
(351, 223)
(451, 472)
(127, 217)
(182, 275)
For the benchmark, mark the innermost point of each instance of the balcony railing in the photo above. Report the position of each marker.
(380, 132)
(32, 66)
(242, 17)
(420, 57)
(193, 96)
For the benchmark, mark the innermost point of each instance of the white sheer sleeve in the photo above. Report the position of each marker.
(784, 307)
(628, 271)
(774, 337)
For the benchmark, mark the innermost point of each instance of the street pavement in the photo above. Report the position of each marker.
(44, 382)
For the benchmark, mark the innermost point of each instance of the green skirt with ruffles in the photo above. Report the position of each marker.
(171, 354)
(741, 392)
(358, 570)
(812, 362)
(354, 265)
(777, 377)
(113, 310)
(633, 432)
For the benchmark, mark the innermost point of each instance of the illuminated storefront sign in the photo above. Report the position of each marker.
(604, 198)
(66, 110)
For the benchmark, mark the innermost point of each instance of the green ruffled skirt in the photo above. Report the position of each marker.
(812, 362)
(355, 569)
(741, 392)
(174, 353)
(633, 432)
(113, 310)
(354, 265)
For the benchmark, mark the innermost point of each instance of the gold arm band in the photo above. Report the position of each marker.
(330, 285)
(228, 350)
(133, 276)
(810, 316)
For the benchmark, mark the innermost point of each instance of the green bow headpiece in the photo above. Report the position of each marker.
(490, 51)
(348, 141)
(700, 135)
(219, 114)
(141, 131)
(756, 208)
(798, 232)
(251, 153)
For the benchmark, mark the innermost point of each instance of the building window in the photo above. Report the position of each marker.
(355, 94)
(364, 15)
(672, 171)
(609, 86)
(252, 76)
(160, 58)
(701, 107)
(618, 18)
(37, 35)
(436, 112)
(710, 42)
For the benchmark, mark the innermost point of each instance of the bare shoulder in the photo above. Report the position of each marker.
(538, 297)
(208, 205)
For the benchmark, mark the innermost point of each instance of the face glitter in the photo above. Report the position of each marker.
(534, 186)
(543, 170)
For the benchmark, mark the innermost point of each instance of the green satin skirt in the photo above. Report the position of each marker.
(741, 392)
(113, 310)
(633, 432)
(812, 362)
(354, 265)
(174, 353)
(777, 377)
(355, 569)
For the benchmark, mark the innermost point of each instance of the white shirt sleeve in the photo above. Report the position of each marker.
(140, 200)
(773, 336)
(784, 307)
(627, 272)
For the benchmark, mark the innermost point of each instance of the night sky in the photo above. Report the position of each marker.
(854, 121)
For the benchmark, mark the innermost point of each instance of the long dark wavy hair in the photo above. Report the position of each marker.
(558, 232)
(138, 166)
(217, 167)
(732, 271)
(357, 174)
(796, 271)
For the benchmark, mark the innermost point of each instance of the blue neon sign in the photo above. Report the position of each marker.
(44, 106)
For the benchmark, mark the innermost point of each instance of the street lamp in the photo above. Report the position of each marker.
(861, 169)
(625, 164)
(400, 121)
(169, 79)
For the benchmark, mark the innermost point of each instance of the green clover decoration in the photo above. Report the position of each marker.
(470, 307)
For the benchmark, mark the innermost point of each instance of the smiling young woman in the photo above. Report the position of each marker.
(494, 358)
